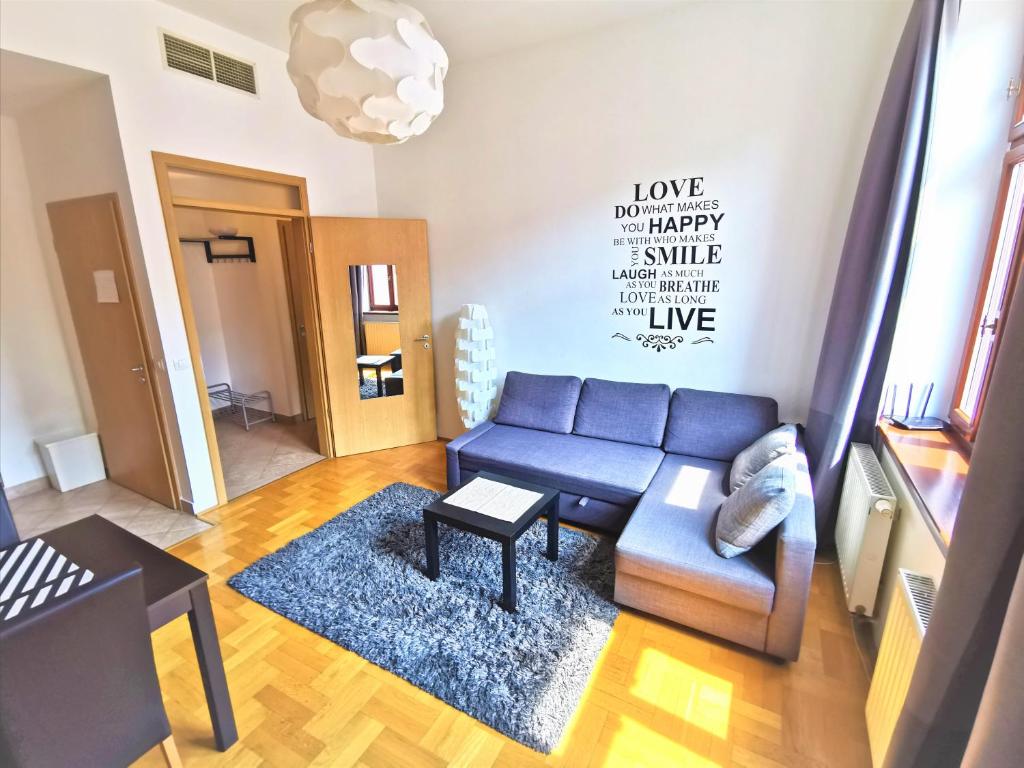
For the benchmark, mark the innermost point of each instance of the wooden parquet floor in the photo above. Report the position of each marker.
(661, 695)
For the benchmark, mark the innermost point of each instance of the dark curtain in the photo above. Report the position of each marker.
(968, 685)
(355, 279)
(872, 270)
(996, 738)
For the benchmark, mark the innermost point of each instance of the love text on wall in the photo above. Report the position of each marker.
(668, 242)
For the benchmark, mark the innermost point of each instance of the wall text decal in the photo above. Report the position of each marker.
(669, 238)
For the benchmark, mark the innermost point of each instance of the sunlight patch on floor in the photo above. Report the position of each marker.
(636, 744)
(699, 698)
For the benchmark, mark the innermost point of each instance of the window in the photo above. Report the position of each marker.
(1000, 275)
(383, 288)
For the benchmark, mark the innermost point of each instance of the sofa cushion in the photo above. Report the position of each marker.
(539, 402)
(752, 512)
(627, 413)
(761, 453)
(670, 538)
(717, 425)
(614, 472)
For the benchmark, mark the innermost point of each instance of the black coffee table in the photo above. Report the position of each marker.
(503, 531)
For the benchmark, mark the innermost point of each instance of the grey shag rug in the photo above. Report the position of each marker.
(358, 581)
(368, 389)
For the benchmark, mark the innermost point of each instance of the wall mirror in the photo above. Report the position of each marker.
(375, 320)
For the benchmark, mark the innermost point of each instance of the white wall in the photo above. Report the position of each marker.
(972, 119)
(167, 111)
(202, 290)
(72, 149)
(771, 103)
(246, 332)
(38, 395)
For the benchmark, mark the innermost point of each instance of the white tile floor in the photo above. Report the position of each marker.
(44, 510)
(265, 453)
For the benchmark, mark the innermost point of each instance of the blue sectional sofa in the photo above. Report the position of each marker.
(652, 466)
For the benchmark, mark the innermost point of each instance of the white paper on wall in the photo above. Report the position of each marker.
(106, 286)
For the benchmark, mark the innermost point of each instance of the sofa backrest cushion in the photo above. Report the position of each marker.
(547, 403)
(717, 425)
(624, 412)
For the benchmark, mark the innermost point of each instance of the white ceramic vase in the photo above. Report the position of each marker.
(476, 374)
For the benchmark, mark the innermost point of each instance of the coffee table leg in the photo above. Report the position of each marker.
(380, 382)
(211, 667)
(430, 534)
(553, 530)
(508, 575)
(362, 379)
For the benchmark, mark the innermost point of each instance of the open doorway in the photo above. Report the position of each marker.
(238, 239)
(251, 343)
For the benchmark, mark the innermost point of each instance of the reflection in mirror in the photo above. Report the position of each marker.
(375, 320)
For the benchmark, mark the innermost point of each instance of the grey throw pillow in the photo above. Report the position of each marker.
(750, 513)
(763, 451)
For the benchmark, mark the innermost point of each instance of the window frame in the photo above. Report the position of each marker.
(967, 427)
(1017, 123)
(392, 302)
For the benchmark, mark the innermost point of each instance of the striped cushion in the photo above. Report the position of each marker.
(33, 573)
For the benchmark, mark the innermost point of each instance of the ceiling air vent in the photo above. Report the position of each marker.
(235, 73)
(203, 62)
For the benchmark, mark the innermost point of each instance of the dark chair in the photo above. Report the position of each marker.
(78, 683)
(8, 531)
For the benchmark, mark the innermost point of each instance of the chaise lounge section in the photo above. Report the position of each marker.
(652, 466)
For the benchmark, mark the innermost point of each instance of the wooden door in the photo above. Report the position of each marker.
(88, 235)
(295, 280)
(372, 424)
(301, 249)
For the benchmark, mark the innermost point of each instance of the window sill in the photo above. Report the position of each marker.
(934, 467)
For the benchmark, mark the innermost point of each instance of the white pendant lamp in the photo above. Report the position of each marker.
(370, 69)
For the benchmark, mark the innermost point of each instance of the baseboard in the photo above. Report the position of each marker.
(28, 487)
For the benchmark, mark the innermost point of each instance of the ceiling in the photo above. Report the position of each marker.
(468, 29)
(26, 82)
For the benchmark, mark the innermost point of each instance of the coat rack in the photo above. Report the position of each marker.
(211, 256)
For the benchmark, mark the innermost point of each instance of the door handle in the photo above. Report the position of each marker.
(424, 337)
(138, 369)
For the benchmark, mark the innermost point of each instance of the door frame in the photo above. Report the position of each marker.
(163, 163)
(143, 330)
(295, 312)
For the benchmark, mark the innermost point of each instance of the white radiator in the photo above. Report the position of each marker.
(909, 612)
(866, 512)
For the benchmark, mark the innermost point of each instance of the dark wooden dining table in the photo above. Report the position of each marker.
(172, 587)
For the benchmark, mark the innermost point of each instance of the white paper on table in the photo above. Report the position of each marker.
(505, 502)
